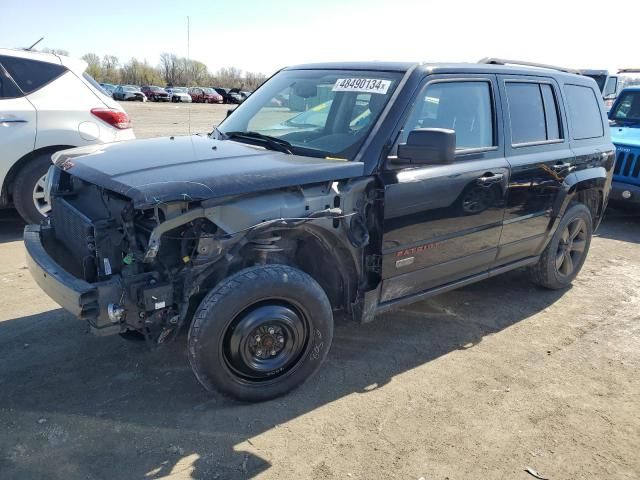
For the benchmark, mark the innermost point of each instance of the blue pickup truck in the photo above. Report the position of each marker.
(624, 118)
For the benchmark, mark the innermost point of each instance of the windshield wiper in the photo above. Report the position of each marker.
(273, 143)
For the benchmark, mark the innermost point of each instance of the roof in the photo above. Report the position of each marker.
(372, 65)
(436, 68)
(634, 88)
(587, 71)
(74, 64)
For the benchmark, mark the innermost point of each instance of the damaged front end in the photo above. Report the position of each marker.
(122, 268)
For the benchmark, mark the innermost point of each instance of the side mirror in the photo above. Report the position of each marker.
(610, 87)
(428, 146)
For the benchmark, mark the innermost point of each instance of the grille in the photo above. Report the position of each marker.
(76, 233)
(627, 165)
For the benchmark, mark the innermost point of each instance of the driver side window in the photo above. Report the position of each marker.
(461, 106)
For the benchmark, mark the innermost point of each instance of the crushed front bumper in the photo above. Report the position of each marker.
(87, 301)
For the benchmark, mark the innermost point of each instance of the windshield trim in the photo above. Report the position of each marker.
(373, 132)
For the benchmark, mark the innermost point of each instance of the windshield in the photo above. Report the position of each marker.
(600, 80)
(318, 112)
(179, 89)
(155, 89)
(208, 90)
(627, 109)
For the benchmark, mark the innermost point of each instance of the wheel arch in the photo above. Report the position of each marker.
(7, 185)
(588, 187)
(338, 270)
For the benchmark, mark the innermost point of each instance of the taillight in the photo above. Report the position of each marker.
(114, 118)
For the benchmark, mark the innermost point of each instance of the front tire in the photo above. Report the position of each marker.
(567, 251)
(260, 333)
(28, 189)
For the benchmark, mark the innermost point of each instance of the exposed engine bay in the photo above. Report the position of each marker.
(151, 266)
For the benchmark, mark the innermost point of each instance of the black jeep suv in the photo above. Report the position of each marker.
(380, 184)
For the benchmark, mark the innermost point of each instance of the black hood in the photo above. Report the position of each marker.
(195, 168)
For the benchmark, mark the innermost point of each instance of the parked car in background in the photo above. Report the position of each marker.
(108, 88)
(420, 178)
(205, 95)
(47, 103)
(236, 96)
(155, 93)
(179, 94)
(224, 92)
(624, 120)
(608, 85)
(129, 93)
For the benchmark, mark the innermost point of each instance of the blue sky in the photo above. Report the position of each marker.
(266, 35)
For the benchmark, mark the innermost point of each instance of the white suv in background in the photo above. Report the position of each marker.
(47, 103)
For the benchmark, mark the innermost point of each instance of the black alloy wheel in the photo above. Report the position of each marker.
(571, 246)
(566, 252)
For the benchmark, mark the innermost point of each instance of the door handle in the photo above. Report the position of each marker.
(560, 166)
(13, 120)
(489, 178)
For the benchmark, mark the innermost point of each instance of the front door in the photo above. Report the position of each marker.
(442, 223)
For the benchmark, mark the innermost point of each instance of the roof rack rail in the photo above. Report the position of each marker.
(629, 70)
(503, 61)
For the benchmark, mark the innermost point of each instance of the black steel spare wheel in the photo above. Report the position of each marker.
(260, 333)
(265, 341)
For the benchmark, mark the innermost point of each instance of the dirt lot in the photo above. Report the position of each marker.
(162, 119)
(478, 383)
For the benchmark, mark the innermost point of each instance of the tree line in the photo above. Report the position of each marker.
(172, 70)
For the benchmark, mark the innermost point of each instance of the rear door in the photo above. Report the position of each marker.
(442, 223)
(540, 157)
(18, 122)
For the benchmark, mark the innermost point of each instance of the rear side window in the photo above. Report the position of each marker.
(8, 89)
(533, 113)
(30, 75)
(465, 107)
(550, 112)
(584, 112)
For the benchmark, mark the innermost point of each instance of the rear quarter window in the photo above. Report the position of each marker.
(30, 75)
(584, 112)
(8, 89)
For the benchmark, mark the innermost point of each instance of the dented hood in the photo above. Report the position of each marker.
(195, 168)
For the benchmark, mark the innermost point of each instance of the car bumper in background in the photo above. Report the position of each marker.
(624, 193)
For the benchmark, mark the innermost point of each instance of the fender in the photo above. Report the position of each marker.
(596, 180)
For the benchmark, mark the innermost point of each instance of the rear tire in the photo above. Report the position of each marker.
(565, 254)
(28, 189)
(260, 333)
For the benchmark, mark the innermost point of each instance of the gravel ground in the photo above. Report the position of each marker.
(152, 119)
(483, 382)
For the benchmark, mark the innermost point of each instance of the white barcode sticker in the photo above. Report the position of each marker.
(363, 85)
(107, 266)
